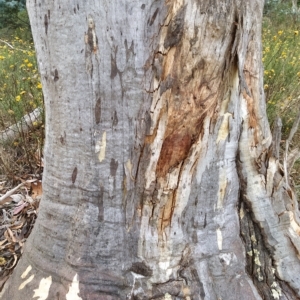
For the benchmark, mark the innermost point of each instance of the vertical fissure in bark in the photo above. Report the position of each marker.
(260, 264)
(264, 191)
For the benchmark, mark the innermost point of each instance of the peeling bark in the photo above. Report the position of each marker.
(167, 184)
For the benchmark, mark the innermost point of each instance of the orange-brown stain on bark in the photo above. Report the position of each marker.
(253, 123)
(174, 150)
(191, 88)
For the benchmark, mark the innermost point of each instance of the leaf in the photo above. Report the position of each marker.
(11, 235)
(14, 263)
(19, 208)
(3, 242)
(17, 198)
(36, 189)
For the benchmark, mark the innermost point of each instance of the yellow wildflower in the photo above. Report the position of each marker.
(280, 32)
(29, 65)
(296, 32)
(39, 85)
(22, 93)
(18, 98)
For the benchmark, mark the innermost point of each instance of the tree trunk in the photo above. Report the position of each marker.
(159, 178)
(294, 6)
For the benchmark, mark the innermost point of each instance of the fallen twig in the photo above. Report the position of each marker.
(23, 126)
(11, 46)
(9, 193)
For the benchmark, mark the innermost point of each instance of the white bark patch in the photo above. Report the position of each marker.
(242, 213)
(177, 5)
(43, 290)
(227, 257)
(101, 145)
(224, 128)
(155, 149)
(128, 170)
(168, 296)
(203, 163)
(219, 239)
(157, 104)
(294, 224)
(275, 294)
(29, 268)
(257, 261)
(74, 290)
(164, 265)
(23, 284)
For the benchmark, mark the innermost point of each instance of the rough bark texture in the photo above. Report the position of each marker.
(160, 178)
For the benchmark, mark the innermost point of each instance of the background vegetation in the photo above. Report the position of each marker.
(281, 59)
(21, 93)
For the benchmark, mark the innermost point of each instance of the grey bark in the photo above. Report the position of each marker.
(159, 178)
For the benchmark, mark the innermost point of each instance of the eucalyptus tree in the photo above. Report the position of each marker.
(162, 179)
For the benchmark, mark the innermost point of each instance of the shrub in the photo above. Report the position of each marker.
(20, 94)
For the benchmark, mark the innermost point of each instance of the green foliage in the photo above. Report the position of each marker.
(280, 11)
(21, 89)
(281, 60)
(20, 94)
(9, 13)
